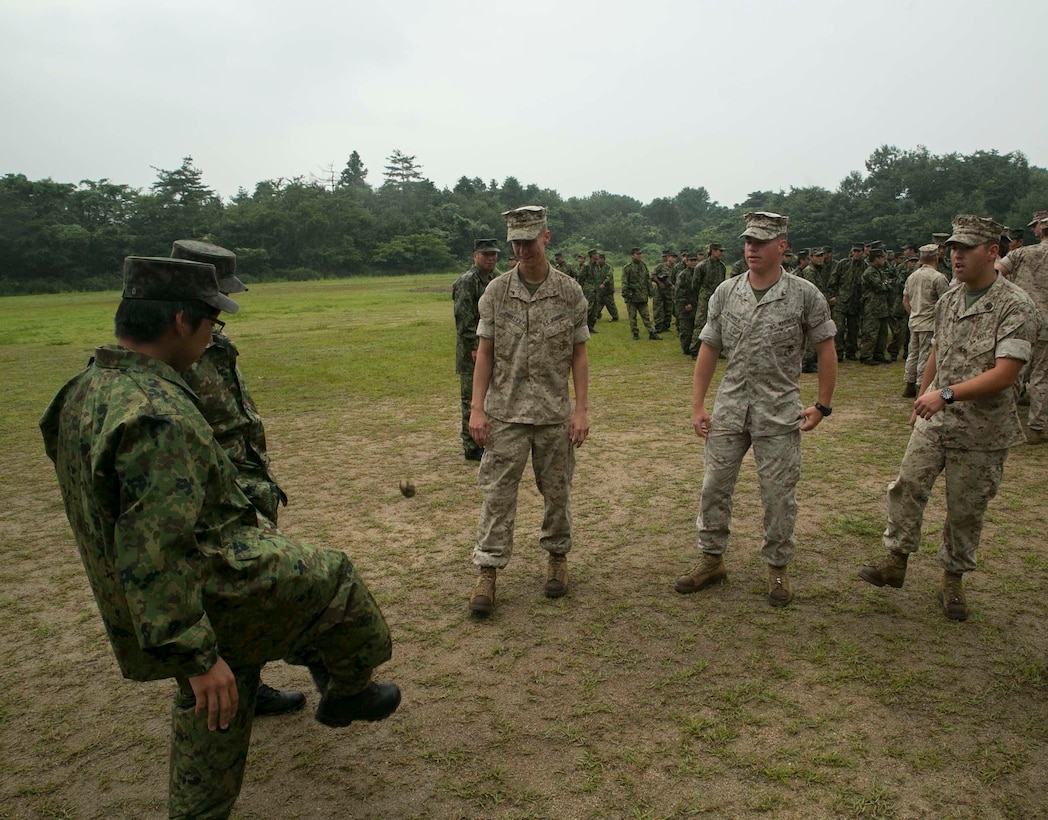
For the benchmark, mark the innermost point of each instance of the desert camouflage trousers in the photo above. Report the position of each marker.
(917, 358)
(340, 628)
(778, 460)
(1037, 385)
(505, 454)
(972, 479)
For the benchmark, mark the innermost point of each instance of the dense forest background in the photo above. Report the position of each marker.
(57, 236)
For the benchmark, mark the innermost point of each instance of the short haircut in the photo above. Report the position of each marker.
(143, 320)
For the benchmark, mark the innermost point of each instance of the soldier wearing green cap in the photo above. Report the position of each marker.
(1027, 267)
(533, 334)
(875, 287)
(662, 293)
(466, 293)
(605, 295)
(226, 404)
(191, 582)
(964, 419)
(708, 275)
(848, 313)
(636, 290)
(760, 320)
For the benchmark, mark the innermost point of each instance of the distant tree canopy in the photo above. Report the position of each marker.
(62, 236)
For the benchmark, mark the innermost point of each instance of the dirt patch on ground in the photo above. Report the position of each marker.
(622, 699)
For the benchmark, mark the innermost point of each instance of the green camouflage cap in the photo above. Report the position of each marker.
(716, 246)
(693, 256)
(634, 250)
(592, 252)
(225, 261)
(858, 246)
(972, 230)
(764, 225)
(525, 223)
(1016, 233)
(818, 251)
(165, 279)
(486, 246)
(668, 253)
(940, 237)
(876, 252)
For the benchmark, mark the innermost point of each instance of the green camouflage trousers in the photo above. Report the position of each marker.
(606, 299)
(633, 309)
(874, 337)
(972, 479)
(293, 602)
(686, 329)
(466, 397)
(778, 461)
(505, 454)
(662, 308)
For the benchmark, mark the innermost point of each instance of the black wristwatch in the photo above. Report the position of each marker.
(947, 395)
(822, 408)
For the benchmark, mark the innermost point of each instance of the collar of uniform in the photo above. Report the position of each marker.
(113, 357)
(774, 293)
(986, 302)
(518, 291)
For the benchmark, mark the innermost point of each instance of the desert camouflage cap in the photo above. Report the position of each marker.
(929, 249)
(764, 225)
(486, 246)
(972, 230)
(1037, 217)
(225, 261)
(525, 223)
(165, 279)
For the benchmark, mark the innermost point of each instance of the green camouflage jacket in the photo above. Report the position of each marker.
(636, 282)
(466, 293)
(876, 292)
(847, 278)
(179, 570)
(227, 405)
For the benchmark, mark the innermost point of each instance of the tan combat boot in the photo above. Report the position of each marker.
(482, 601)
(710, 570)
(890, 570)
(1036, 436)
(910, 391)
(779, 591)
(951, 596)
(556, 576)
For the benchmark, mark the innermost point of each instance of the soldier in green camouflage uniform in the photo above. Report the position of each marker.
(466, 293)
(876, 290)
(686, 302)
(226, 404)
(709, 273)
(662, 294)
(587, 277)
(636, 288)
(848, 314)
(897, 326)
(817, 273)
(606, 289)
(562, 264)
(188, 579)
(965, 418)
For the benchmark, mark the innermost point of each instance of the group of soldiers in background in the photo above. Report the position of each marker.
(867, 293)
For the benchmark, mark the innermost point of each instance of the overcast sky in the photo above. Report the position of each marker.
(635, 98)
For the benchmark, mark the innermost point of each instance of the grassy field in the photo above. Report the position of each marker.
(622, 699)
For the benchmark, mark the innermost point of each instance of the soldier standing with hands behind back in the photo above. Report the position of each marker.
(466, 292)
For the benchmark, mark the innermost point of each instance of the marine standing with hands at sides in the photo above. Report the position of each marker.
(532, 334)
(761, 321)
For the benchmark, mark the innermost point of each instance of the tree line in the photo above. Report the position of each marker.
(58, 236)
